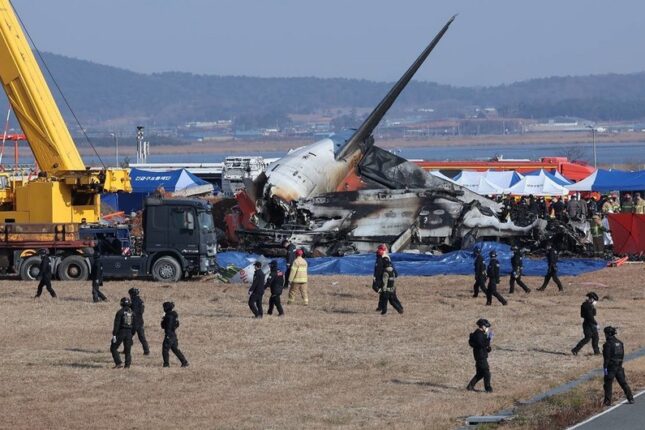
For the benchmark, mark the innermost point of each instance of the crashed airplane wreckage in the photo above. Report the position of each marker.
(344, 195)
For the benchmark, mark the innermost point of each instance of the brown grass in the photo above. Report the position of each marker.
(335, 363)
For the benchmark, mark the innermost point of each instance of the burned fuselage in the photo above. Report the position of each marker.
(309, 196)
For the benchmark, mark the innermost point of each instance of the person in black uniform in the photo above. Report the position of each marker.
(378, 271)
(169, 324)
(480, 273)
(613, 353)
(388, 288)
(137, 326)
(589, 324)
(122, 333)
(257, 290)
(493, 280)
(516, 272)
(97, 278)
(552, 271)
(291, 255)
(45, 274)
(480, 342)
(275, 282)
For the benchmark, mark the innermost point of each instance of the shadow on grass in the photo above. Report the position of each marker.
(75, 299)
(85, 351)
(82, 365)
(341, 311)
(546, 351)
(423, 384)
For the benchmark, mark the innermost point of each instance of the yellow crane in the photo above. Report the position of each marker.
(66, 191)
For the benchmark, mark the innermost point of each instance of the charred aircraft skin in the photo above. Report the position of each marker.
(356, 221)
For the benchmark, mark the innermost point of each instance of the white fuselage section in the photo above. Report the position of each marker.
(308, 171)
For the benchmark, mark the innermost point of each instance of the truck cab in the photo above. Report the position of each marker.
(178, 242)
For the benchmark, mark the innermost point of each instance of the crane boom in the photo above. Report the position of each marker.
(32, 101)
(66, 191)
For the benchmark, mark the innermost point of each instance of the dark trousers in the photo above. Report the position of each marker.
(552, 274)
(480, 284)
(598, 246)
(482, 372)
(47, 283)
(274, 301)
(141, 334)
(255, 304)
(96, 293)
(125, 337)
(591, 334)
(385, 298)
(619, 373)
(519, 281)
(170, 343)
(491, 292)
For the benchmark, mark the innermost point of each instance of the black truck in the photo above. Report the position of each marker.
(178, 242)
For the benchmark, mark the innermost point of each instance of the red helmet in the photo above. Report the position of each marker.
(299, 253)
(380, 251)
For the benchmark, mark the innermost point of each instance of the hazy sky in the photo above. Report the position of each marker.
(491, 42)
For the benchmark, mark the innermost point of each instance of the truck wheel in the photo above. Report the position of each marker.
(30, 268)
(73, 268)
(166, 269)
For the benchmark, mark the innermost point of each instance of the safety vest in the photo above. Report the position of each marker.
(628, 207)
(596, 230)
(640, 207)
(298, 273)
(607, 207)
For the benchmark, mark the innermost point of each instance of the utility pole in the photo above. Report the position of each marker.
(593, 140)
(116, 148)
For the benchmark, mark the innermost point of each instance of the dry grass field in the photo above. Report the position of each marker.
(336, 363)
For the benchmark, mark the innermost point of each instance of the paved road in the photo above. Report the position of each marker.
(620, 417)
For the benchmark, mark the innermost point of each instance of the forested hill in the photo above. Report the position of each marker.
(101, 94)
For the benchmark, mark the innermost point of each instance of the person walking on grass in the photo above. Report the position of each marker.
(169, 324)
(552, 271)
(298, 279)
(387, 291)
(480, 273)
(256, 292)
(479, 341)
(589, 324)
(493, 280)
(122, 333)
(138, 308)
(275, 284)
(45, 274)
(97, 278)
(613, 353)
(516, 271)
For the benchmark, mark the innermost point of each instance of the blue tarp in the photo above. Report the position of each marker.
(453, 263)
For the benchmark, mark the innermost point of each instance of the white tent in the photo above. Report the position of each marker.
(538, 185)
(488, 182)
(440, 175)
(478, 183)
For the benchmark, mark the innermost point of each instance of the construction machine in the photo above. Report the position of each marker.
(44, 212)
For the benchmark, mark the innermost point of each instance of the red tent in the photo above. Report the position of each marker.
(628, 233)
